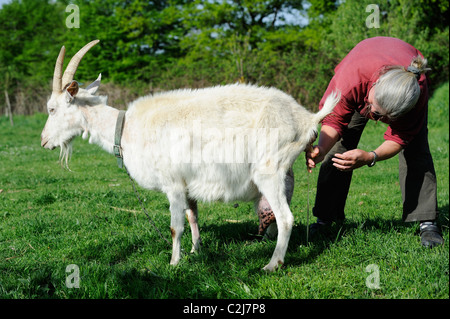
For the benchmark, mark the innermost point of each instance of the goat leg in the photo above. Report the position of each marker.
(192, 217)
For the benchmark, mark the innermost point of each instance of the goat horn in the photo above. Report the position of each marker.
(58, 71)
(75, 61)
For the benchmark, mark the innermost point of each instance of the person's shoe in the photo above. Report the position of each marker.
(318, 227)
(430, 235)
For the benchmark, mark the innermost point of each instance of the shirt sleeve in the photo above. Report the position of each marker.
(344, 110)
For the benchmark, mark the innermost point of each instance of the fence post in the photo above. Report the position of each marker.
(8, 108)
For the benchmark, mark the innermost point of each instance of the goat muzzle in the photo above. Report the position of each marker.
(45, 144)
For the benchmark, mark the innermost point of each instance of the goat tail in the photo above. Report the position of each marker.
(331, 101)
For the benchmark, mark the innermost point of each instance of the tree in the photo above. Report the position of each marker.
(29, 29)
(168, 44)
(423, 24)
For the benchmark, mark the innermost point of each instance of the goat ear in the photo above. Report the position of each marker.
(71, 91)
(93, 87)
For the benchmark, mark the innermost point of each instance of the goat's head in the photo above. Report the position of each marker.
(65, 120)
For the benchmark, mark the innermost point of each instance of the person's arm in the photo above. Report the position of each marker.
(351, 159)
(354, 159)
(328, 137)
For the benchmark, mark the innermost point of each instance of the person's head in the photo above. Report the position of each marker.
(397, 90)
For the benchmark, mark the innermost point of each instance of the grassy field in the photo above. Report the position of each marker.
(51, 218)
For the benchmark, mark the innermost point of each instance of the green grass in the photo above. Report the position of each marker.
(51, 218)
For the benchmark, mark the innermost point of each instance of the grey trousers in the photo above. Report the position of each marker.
(416, 174)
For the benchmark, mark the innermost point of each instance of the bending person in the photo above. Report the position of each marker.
(381, 79)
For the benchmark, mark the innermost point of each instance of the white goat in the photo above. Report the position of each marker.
(233, 142)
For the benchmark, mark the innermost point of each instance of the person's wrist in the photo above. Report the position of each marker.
(373, 161)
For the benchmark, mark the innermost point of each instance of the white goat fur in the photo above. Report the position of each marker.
(203, 119)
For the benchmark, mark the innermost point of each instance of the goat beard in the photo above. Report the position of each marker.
(65, 154)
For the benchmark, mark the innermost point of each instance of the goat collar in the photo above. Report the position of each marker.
(117, 137)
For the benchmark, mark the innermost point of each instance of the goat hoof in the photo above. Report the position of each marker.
(272, 267)
(174, 262)
(194, 251)
(267, 269)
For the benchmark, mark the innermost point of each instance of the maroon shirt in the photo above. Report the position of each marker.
(354, 77)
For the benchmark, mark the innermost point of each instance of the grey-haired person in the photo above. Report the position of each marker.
(381, 79)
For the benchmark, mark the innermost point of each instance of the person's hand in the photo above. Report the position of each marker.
(351, 160)
(313, 156)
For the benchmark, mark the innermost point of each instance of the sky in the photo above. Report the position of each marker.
(3, 2)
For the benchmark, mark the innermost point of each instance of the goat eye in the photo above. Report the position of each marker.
(51, 111)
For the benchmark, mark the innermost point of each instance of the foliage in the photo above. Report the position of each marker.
(168, 44)
(422, 24)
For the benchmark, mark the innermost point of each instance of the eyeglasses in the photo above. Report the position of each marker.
(374, 115)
